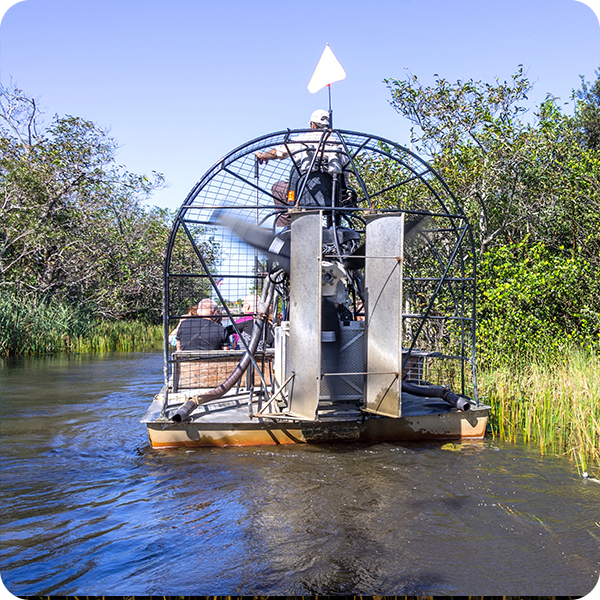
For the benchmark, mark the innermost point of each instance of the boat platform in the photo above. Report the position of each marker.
(233, 421)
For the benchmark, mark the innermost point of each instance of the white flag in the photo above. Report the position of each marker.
(328, 70)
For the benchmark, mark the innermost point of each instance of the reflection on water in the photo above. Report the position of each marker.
(90, 509)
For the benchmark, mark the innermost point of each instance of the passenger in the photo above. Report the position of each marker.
(202, 333)
(246, 325)
(192, 312)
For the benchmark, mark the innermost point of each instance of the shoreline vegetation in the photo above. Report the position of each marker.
(549, 403)
(37, 327)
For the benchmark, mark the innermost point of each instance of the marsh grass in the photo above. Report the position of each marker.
(551, 403)
(35, 326)
(120, 336)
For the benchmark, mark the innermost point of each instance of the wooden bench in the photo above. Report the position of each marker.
(209, 368)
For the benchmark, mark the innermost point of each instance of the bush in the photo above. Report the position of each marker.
(533, 301)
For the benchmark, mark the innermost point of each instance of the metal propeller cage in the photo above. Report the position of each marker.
(205, 259)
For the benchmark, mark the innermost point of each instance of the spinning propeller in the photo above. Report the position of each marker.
(275, 247)
(412, 227)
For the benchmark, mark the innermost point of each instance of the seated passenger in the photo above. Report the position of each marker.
(246, 324)
(202, 332)
(192, 312)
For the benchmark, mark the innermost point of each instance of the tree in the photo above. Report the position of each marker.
(473, 133)
(514, 177)
(73, 223)
(588, 112)
(531, 189)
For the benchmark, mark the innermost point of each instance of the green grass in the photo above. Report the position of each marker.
(35, 326)
(120, 336)
(551, 403)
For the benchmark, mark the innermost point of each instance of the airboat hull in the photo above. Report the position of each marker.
(226, 423)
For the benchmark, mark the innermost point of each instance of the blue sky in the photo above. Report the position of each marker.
(179, 87)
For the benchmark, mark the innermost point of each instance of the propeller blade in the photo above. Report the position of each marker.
(274, 247)
(414, 226)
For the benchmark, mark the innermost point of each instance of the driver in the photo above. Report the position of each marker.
(322, 186)
(319, 120)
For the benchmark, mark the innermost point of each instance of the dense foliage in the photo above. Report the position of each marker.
(79, 247)
(45, 325)
(531, 188)
(74, 226)
(532, 300)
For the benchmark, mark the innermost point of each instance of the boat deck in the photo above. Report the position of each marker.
(227, 422)
(233, 408)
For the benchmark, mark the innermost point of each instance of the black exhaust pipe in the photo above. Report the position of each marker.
(184, 411)
(430, 391)
(457, 401)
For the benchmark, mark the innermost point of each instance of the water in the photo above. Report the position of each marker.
(90, 509)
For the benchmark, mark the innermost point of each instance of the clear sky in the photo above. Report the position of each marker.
(181, 83)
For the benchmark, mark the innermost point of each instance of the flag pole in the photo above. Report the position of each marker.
(330, 111)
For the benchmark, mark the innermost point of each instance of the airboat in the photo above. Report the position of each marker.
(363, 265)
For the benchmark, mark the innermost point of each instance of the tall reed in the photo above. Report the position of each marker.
(33, 326)
(120, 336)
(552, 404)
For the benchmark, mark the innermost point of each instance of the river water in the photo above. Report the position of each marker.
(90, 509)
